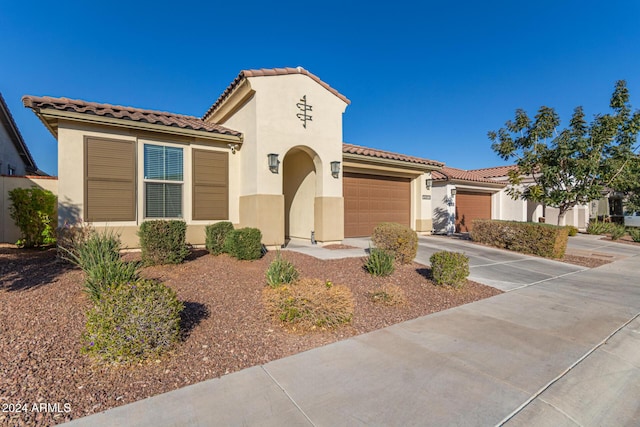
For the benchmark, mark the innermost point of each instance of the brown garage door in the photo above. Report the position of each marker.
(470, 206)
(370, 200)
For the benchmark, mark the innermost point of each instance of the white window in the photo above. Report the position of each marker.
(11, 170)
(163, 181)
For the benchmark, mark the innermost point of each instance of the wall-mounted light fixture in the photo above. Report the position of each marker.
(453, 192)
(335, 169)
(428, 182)
(273, 162)
(233, 148)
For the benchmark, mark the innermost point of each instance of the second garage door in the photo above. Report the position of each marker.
(370, 200)
(470, 206)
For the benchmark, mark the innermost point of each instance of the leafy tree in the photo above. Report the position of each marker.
(573, 165)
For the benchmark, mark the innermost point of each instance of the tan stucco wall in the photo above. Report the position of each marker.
(266, 212)
(9, 232)
(424, 225)
(71, 137)
(329, 219)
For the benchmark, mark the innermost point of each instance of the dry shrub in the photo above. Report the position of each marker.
(309, 304)
(397, 238)
(388, 295)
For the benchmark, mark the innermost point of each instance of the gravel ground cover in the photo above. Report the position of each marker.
(45, 380)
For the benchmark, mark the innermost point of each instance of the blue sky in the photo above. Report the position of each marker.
(425, 78)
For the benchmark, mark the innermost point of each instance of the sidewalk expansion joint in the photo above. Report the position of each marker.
(565, 372)
(288, 395)
(544, 280)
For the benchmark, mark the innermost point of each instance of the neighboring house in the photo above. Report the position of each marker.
(15, 158)
(460, 196)
(267, 154)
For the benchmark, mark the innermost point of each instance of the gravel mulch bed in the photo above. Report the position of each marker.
(339, 246)
(42, 315)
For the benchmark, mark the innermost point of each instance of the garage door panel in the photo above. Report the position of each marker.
(370, 200)
(471, 206)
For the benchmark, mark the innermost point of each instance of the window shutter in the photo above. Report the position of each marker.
(210, 185)
(109, 190)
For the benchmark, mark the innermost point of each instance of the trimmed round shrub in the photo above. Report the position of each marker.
(133, 322)
(309, 304)
(397, 238)
(281, 271)
(450, 268)
(216, 235)
(379, 262)
(244, 243)
(163, 242)
(573, 231)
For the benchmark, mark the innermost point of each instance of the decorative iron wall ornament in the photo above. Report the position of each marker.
(304, 108)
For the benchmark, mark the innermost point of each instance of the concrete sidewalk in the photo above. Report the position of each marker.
(560, 351)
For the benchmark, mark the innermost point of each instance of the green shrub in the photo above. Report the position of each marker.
(617, 231)
(309, 304)
(450, 268)
(281, 271)
(599, 227)
(163, 242)
(397, 238)
(133, 322)
(379, 262)
(216, 235)
(540, 239)
(634, 232)
(34, 211)
(99, 257)
(244, 243)
(573, 231)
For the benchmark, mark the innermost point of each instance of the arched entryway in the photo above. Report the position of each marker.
(299, 188)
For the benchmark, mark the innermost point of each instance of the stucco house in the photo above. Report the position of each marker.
(460, 196)
(15, 158)
(268, 153)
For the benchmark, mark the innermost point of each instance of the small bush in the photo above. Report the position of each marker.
(163, 242)
(309, 304)
(617, 231)
(281, 272)
(244, 243)
(388, 295)
(599, 227)
(133, 322)
(634, 232)
(450, 268)
(99, 257)
(573, 231)
(216, 235)
(379, 262)
(544, 240)
(397, 238)
(34, 211)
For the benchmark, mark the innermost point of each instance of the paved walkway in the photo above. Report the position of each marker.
(560, 348)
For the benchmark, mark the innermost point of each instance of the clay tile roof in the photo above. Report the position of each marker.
(448, 173)
(494, 172)
(125, 113)
(262, 72)
(371, 152)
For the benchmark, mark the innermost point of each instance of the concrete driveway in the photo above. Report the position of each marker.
(560, 348)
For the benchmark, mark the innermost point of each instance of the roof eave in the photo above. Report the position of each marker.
(50, 116)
